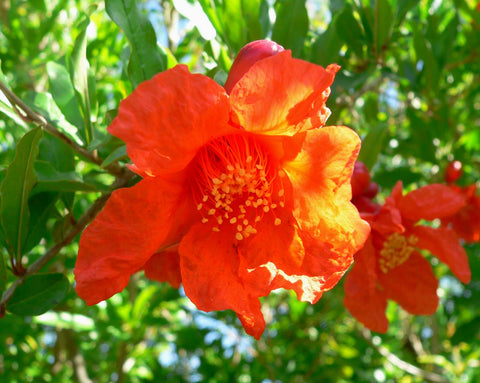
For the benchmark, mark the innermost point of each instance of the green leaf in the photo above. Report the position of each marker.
(291, 24)
(117, 154)
(38, 293)
(49, 179)
(383, 23)
(3, 274)
(326, 47)
(66, 320)
(15, 190)
(78, 65)
(44, 104)
(350, 31)
(42, 207)
(63, 93)
(146, 59)
(372, 145)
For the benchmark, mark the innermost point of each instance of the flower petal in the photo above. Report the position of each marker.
(280, 95)
(164, 267)
(445, 245)
(430, 202)
(209, 264)
(320, 177)
(365, 301)
(166, 119)
(135, 222)
(413, 285)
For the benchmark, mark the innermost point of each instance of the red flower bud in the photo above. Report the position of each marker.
(360, 178)
(453, 171)
(371, 190)
(249, 55)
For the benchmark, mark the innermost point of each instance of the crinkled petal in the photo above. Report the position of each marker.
(164, 267)
(389, 219)
(430, 202)
(133, 225)
(365, 301)
(280, 95)
(320, 177)
(166, 119)
(209, 263)
(445, 245)
(412, 285)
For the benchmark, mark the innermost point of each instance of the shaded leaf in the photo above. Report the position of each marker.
(15, 190)
(291, 24)
(38, 293)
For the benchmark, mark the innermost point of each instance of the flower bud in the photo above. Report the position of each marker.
(453, 171)
(249, 55)
(360, 178)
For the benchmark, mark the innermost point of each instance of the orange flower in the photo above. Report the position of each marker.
(390, 266)
(466, 222)
(240, 195)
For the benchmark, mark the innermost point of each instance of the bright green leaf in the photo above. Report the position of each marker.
(116, 155)
(38, 294)
(372, 145)
(383, 23)
(146, 59)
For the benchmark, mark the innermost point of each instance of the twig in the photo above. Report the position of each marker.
(71, 234)
(29, 115)
(396, 361)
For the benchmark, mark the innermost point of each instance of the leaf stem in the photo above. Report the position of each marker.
(28, 115)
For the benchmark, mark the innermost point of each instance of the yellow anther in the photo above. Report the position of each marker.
(396, 250)
(281, 173)
(204, 220)
(281, 192)
(199, 206)
(211, 212)
(219, 220)
(266, 209)
(216, 229)
(245, 222)
(249, 159)
(205, 198)
(239, 228)
(277, 222)
(233, 220)
(217, 181)
(239, 236)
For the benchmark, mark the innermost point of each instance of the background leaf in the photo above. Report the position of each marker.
(38, 293)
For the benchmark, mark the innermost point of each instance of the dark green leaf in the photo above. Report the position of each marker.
(38, 293)
(146, 59)
(117, 154)
(326, 48)
(291, 24)
(372, 145)
(3, 274)
(15, 190)
(350, 31)
(383, 23)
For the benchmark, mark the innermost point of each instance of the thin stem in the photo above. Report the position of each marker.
(401, 364)
(28, 115)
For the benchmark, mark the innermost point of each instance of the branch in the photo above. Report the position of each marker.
(71, 234)
(401, 364)
(28, 115)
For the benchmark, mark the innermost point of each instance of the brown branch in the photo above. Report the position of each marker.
(28, 115)
(71, 234)
(401, 364)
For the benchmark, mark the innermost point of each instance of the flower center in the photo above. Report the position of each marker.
(233, 184)
(396, 250)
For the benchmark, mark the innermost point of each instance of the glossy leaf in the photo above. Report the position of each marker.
(38, 294)
(350, 31)
(383, 23)
(372, 144)
(145, 58)
(15, 190)
(49, 179)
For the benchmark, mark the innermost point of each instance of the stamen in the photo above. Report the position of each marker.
(396, 250)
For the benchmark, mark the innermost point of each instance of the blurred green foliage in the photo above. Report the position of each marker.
(409, 85)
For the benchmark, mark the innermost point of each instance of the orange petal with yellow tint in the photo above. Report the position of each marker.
(280, 95)
(412, 285)
(362, 297)
(209, 264)
(166, 119)
(430, 202)
(445, 245)
(135, 222)
(320, 177)
(164, 267)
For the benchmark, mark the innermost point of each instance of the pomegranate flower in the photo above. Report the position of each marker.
(241, 194)
(390, 265)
